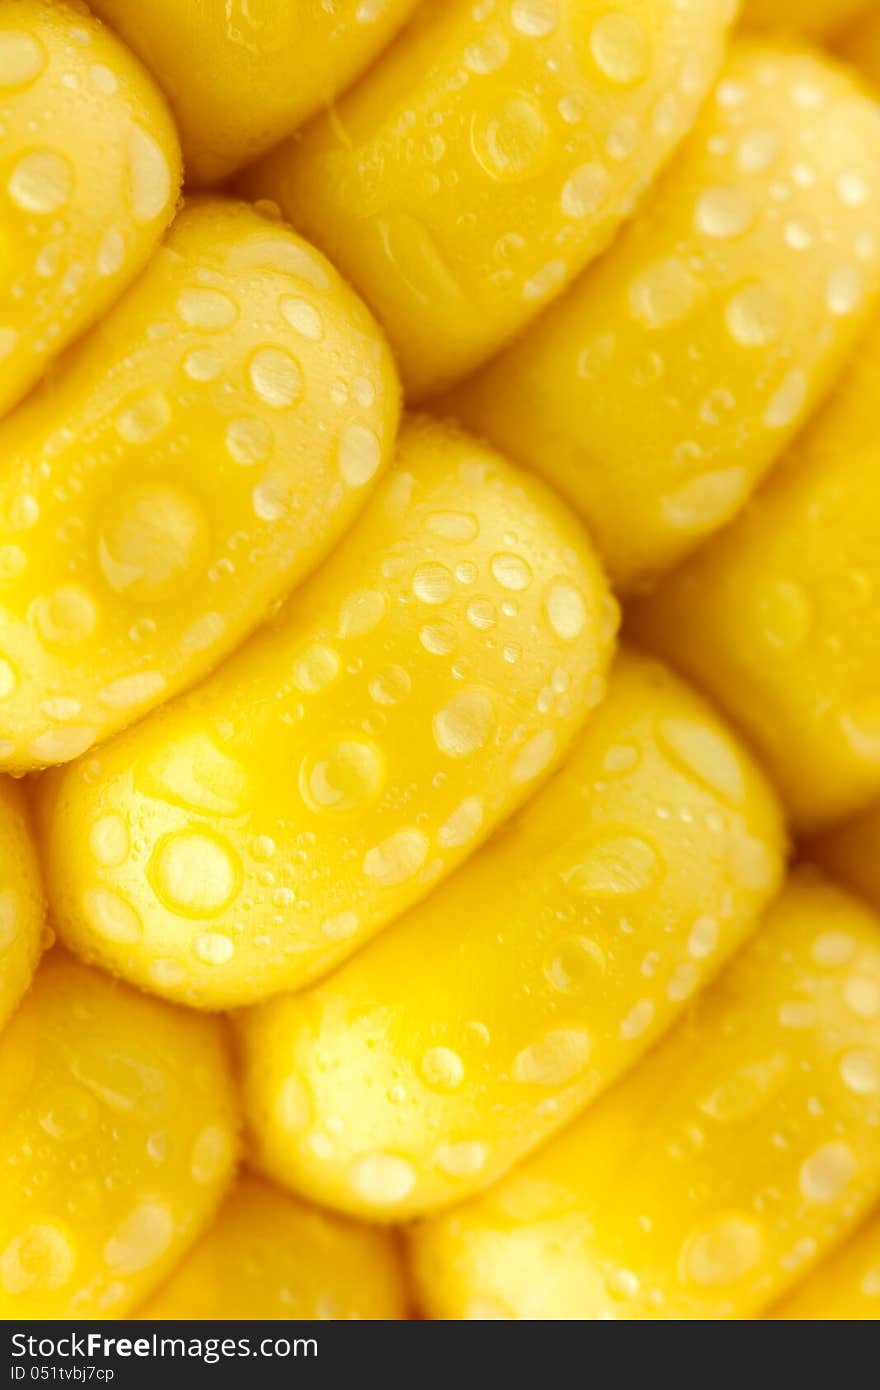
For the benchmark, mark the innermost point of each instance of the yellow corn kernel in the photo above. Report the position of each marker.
(779, 618)
(241, 74)
(246, 838)
(269, 1256)
(489, 155)
(117, 1138)
(90, 169)
(719, 1170)
(660, 388)
(847, 1287)
(473, 1029)
(820, 18)
(195, 458)
(21, 898)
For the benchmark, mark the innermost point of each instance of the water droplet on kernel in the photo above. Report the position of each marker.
(111, 252)
(481, 614)
(360, 613)
(463, 725)
(153, 542)
(566, 610)
(108, 840)
(535, 18)
(833, 948)
(825, 1175)
(390, 686)
(214, 948)
(860, 1072)
(463, 824)
(149, 177)
(663, 294)
(453, 526)
(194, 873)
(787, 402)
(315, 667)
(111, 916)
(143, 417)
(276, 377)
(359, 453)
(585, 190)
(303, 318)
(344, 775)
(755, 317)
(41, 182)
(617, 865)
(724, 212)
(723, 1250)
(65, 617)
(397, 859)
(442, 1069)
(140, 1240)
(554, 1059)
(619, 46)
(69, 1113)
(39, 1260)
(382, 1179)
(511, 572)
(462, 1160)
(534, 756)
(341, 926)
(207, 309)
(22, 58)
(706, 755)
(248, 441)
(432, 583)
(212, 1154)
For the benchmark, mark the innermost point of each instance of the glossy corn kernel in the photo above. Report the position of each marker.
(117, 1138)
(719, 1170)
(779, 618)
(241, 74)
(847, 1287)
(195, 457)
(21, 900)
(477, 1026)
(248, 837)
(89, 172)
(660, 388)
(488, 156)
(268, 1256)
(818, 18)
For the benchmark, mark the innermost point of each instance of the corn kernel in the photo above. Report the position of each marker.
(90, 170)
(657, 392)
(472, 1030)
(469, 177)
(198, 455)
(262, 67)
(117, 1138)
(405, 702)
(718, 1171)
(268, 1256)
(779, 618)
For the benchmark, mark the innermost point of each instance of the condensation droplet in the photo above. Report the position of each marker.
(463, 725)
(555, 1059)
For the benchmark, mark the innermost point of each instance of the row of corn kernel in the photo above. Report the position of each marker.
(246, 346)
